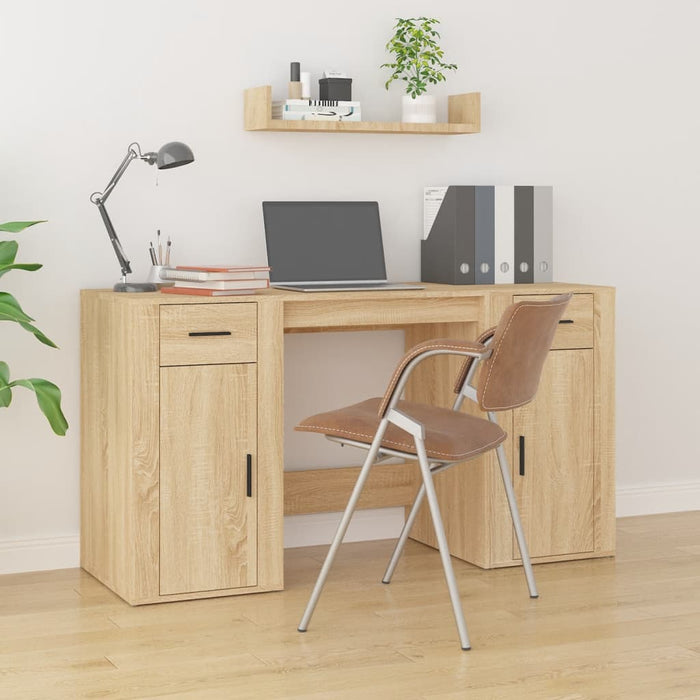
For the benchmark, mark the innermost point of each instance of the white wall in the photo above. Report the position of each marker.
(598, 99)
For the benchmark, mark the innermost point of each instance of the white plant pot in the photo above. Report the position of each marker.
(418, 110)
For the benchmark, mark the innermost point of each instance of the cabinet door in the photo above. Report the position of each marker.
(208, 499)
(553, 470)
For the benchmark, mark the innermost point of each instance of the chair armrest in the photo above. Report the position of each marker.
(461, 377)
(473, 350)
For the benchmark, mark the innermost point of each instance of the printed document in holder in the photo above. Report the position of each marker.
(326, 246)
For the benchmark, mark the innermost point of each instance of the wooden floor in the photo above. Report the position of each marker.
(610, 628)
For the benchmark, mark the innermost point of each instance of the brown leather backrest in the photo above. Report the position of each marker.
(523, 337)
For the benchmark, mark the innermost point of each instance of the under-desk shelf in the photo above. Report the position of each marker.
(464, 117)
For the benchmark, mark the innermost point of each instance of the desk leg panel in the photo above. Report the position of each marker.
(119, 456)
(604, 418)
(270, 445)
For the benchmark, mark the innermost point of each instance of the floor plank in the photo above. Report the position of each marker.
(627, 627)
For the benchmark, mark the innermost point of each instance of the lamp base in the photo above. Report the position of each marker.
(135, 287)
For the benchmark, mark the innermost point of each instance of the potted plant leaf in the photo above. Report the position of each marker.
(418, 62)
(48, 395)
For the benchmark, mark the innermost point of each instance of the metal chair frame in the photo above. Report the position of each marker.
(428, 467)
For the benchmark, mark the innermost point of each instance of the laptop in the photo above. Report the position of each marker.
(326, 246)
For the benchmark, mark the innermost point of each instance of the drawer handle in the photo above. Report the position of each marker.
(521, 445)
(249, 476)
(200, 334)
(567, 320)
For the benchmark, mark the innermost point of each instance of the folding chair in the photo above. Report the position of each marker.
(509, 358)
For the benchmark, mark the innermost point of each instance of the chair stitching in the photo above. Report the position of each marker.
(466, 365)
(403, 444)
(523, 305)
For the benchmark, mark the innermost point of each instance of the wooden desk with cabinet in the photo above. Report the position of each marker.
(182, 484)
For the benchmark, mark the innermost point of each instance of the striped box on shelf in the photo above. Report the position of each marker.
(317, 110)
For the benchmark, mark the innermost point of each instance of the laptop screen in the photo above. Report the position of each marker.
(323, 242)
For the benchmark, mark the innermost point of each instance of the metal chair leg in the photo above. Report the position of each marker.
(442, 543)
(403, 537)
(517, 525)
(343, 526)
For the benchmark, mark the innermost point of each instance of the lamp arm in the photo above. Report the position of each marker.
(133, 152)
(118, 250)
(99, 199)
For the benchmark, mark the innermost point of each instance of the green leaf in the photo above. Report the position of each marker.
(10, 310)
(48, 397)
(31, 267)
(17, 226)
(8, 252)
(5, 391)
(38, 334)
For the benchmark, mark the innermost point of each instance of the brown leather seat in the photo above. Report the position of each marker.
(509, 369)
(449, 436)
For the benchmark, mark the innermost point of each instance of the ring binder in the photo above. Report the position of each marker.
(486, 234)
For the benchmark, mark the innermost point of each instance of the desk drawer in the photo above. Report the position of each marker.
(203, 334)
(576, 325)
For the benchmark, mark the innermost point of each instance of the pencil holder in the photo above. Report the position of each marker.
(154, 276)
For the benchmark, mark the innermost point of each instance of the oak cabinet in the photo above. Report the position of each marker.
(560, 448)
(208, 447)
(553, 472)
(174, 395)
(552, 440)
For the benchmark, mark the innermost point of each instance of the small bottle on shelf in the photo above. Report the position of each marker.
(295, 81)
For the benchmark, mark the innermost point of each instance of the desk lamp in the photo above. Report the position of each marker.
(171, 155)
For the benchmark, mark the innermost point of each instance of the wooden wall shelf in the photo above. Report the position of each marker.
(464, 117)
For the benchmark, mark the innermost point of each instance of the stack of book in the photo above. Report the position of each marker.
(216, 281)
(317, 110)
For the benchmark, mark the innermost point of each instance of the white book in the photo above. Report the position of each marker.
(321, 116)
(205, 276)
(504, 234)
(225, 284)
(299, 112)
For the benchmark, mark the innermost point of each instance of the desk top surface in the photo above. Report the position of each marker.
(288, 297)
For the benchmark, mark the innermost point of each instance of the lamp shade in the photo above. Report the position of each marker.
(174, 154)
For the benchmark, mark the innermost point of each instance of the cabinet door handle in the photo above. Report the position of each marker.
(521, 444)
(199, 334)
(566, 320)
(249, 476)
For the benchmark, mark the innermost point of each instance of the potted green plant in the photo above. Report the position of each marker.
(418, 62)
(48, 395)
